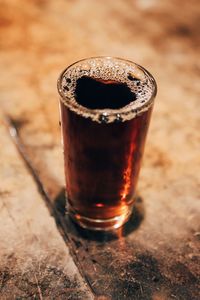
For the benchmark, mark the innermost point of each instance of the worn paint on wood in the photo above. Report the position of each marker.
(157, 254)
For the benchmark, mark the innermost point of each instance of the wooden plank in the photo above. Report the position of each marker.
(157, 254)
(35, 262)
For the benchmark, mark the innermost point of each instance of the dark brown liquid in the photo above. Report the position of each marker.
(102, 161)
(100, 94)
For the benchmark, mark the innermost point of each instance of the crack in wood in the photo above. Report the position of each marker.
(4, 205)
(119, 268)
(13, 130)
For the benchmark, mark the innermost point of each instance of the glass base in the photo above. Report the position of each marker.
(100, 224)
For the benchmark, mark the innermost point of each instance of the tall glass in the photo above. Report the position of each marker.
(106, 105)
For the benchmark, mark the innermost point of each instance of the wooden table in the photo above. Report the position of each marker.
(42, 255)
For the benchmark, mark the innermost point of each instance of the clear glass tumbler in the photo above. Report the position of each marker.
(106, 105)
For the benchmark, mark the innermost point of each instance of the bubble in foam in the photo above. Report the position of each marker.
(103, 118)
(68, 80)
(118, 118)
(66, 88)
(134, 76)
(85, 67)
(131, 77)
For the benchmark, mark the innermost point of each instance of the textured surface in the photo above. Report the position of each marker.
(32, 266)
(157, 255)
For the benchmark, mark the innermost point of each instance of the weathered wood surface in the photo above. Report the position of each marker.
(156, 256)
(34, 260)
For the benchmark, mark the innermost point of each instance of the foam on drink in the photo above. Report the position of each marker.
(106, 90)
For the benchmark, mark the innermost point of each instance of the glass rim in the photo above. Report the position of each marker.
(130, 111)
